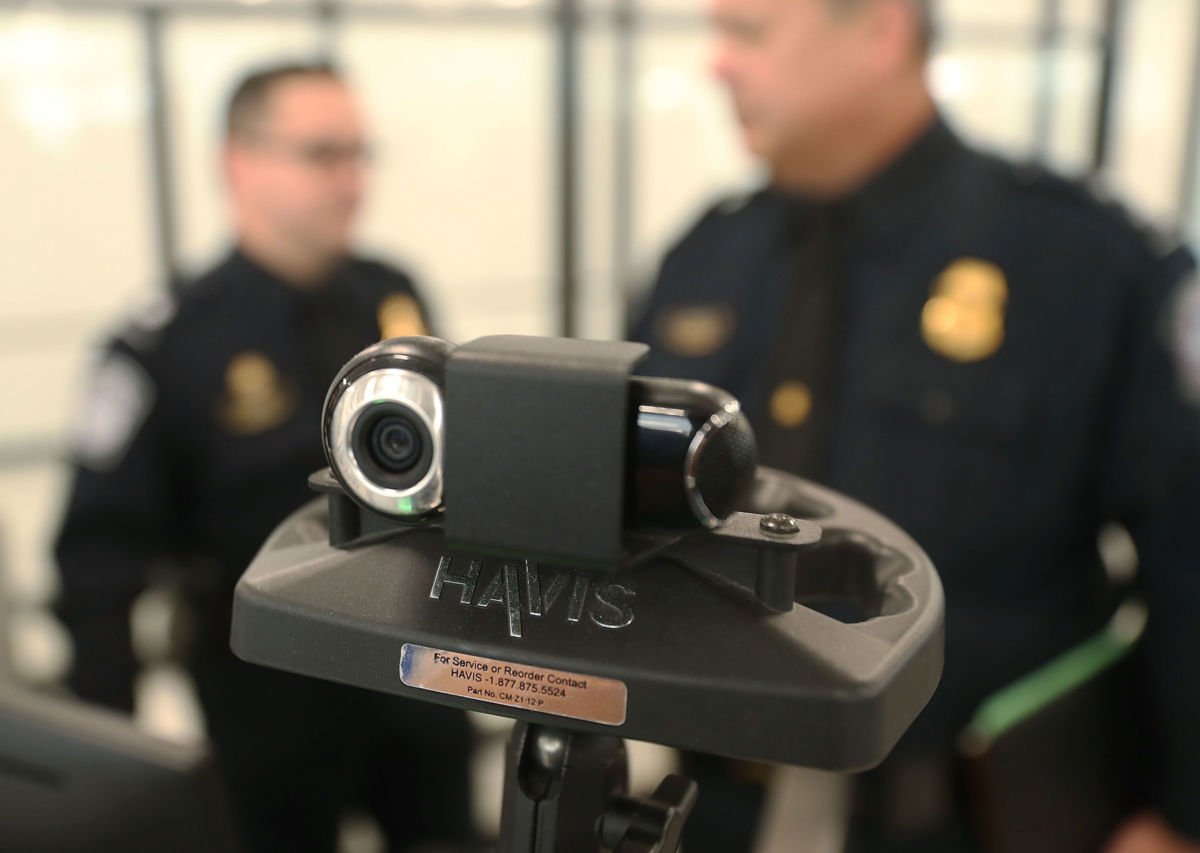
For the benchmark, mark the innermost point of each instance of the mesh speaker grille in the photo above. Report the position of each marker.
(725, 466)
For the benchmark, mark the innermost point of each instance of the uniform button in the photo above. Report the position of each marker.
(791, 404)
(936, 406)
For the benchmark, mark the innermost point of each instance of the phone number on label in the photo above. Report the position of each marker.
(514, 683)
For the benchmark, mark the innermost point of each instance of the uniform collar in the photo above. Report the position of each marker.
(247, 268)
(895, 194)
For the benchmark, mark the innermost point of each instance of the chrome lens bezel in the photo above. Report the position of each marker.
(423, 397)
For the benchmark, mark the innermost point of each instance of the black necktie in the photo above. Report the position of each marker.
(801, 388)
(332, 328)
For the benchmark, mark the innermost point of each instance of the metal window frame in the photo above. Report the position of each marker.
(568, 21)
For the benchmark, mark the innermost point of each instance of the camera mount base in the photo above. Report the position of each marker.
(694, 647)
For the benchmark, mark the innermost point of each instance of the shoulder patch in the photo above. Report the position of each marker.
(119, 399)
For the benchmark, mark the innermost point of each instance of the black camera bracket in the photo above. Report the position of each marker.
(533, 423)
(752, 555)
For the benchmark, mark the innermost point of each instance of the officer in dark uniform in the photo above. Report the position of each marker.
(202, 427)
(988, 354)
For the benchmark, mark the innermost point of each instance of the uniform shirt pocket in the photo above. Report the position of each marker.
(945, 448)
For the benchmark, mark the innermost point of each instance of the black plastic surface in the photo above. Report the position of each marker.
(560, 408)
(704, 668)
(74, 777)
(556, 787)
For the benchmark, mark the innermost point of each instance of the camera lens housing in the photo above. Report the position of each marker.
(383, 426)
(392, 444)
(694, 454)
(690, 460)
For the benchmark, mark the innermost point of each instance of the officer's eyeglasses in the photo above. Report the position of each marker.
(321, 154)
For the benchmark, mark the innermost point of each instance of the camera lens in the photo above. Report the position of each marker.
(392, 445)
(382, 426)
(395, 444)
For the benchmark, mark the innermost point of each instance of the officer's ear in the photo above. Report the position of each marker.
(229, 166)
(235, 156)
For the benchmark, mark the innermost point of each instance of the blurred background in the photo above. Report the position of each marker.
(535, 159)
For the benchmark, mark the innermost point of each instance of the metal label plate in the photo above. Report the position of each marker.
(517, 685)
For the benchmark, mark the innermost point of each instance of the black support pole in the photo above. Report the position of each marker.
(567, 138)
(327, 29)
(1114, 19)
(162, 175)
(1189, 177)
(1049, 39)
(624, 162)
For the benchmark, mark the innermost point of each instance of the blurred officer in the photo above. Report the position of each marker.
(202, 427)
(986, 353)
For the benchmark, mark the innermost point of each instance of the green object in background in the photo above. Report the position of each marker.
(1010, 706)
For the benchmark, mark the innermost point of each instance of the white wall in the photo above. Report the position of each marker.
(75, 244)
(1154, 99)
(463, 190)
(75, 235)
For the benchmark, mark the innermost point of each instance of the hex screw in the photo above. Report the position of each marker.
(779, 524)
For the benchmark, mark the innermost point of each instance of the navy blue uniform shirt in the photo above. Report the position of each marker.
(200, 430)
(999, 362)
(201, 427)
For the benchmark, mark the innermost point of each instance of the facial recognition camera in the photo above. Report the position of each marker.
(383, 426)
(693, 452)
(525, 527)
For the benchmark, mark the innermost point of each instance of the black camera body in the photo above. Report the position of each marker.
(685, 454)
(383, 426)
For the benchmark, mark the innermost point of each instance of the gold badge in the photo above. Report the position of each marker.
(255, 399)
(400, 317)
(696, 330)
(964, 317)
(791, 404)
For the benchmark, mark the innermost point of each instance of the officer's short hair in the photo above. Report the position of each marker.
(252, 94)
(928, 32)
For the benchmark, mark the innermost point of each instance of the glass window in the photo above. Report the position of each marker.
(1085, 15)
(688, 151)
(972, 13)
(1076, 76)
(76, 245)
(988, 93)
(463, 184)
(1154, 92)
(75, 238)
(604, 151)
(453, 6)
